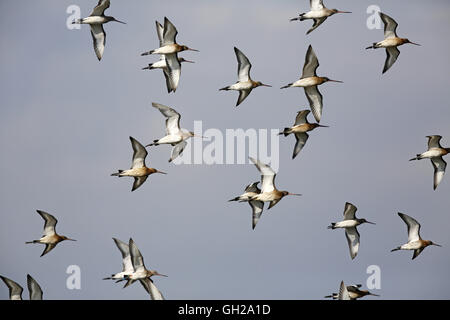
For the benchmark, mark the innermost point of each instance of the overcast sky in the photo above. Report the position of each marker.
(66, 118)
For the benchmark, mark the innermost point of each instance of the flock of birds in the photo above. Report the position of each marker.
(133, 268)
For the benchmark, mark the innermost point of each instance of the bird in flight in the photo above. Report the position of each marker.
(309, 81)
(139, 171)
(391, 41)
(50, 237)
(318, 13)
(245, 84)
(96, 20)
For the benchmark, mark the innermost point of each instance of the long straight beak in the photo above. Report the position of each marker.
(266, 85)
(416, 44)
(344, 11)
(370, 222)
(294, 194)
(336, 81)
(161, 275)
(71, 239)
(188, 61)
(120, 21)
(435, 244)
(145, 68)
(321, 126)
(157, 171)
(373, 294)
(194, 50)
(203, 137)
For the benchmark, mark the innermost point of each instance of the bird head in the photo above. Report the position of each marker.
(287, 193)
(114, 19)
(326, 79)
(365, 221)
(408, 41)
(192, 134)
(260, 84)
(66, 238)
(184, 48)
(334, 11)
(431, 243)
(184, 60)
(156, 273)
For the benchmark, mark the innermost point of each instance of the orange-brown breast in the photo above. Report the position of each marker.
(304, 127)
(150, 171)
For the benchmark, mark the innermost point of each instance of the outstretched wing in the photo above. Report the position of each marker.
(125, 252)
(242, 95)
(267, 176)
(315, 101)
(244, 66)
(257, 209)
(343, 293)
(253, 187)
(316, 5)
(167, 77)
(34, 288)
(311, 63)
(50, 223)
(177, 150)
(138, 181)
(139, 154)
(136, 257)
(48, 247)
(100, 8)
(439, 165)
(160, 33)
(173, 70)
(413, 227)
(392, 54)
(15, 290)
(301, 139)
(151, 289)
(172, 118)
(434, 141)
(349, 211)
(390, 26)
(170, 32)
(352, 235)
(316, 24)
(301, 117)
(99, 39)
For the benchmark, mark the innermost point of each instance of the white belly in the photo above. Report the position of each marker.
(93, 20)
(241, 86)
(411, 246)
(170, 139)
(170, 48)
(265, 197)
(316, 14)
(389, 42)
(138, 275)
(247, 196)
(431, 153)
(346, 224)
(161, 64)
(120, 275)
(306, 82)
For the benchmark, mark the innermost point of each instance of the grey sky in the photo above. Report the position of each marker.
(66, 118)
